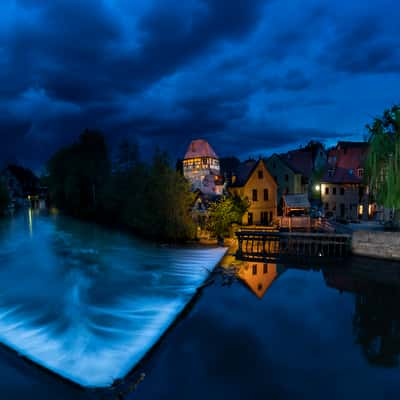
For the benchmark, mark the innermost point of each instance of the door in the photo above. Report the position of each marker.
(250, 218)
(264, 218)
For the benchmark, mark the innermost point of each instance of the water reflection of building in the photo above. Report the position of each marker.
(259, 276)
(376, 321)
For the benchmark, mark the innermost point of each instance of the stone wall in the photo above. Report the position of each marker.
(385, 245)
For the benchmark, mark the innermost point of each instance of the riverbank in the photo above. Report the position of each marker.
(375, 244)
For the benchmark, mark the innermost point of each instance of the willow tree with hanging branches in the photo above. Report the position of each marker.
(383, 162)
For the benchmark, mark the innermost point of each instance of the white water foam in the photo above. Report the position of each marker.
(88, 304)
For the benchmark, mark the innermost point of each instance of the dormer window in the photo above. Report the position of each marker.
(331, 172)
(360, 172)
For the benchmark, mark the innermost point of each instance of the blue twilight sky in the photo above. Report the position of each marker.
(250, 76)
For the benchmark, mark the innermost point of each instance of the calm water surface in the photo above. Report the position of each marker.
(275, 332)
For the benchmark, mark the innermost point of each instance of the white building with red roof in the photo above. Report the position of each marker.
(201, 167)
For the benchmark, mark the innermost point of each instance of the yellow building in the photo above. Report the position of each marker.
(258, 276)
(254, 182)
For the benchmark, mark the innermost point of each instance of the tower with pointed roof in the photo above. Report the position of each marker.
(201, 167)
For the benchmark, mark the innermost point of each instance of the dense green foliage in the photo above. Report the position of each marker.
(4, 198)
(383, 163)
(152, 200)
(224, 213)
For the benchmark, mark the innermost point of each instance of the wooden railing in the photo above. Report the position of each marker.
(280, 246)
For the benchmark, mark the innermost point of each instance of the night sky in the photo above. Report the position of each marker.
(252, 77)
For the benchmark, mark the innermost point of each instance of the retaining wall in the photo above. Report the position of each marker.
(385, 245)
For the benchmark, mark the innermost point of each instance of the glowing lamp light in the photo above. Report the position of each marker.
(317, 188)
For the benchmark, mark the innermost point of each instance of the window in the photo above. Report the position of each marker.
(254, 269)
(342, 191)
(286, 177)
(333, 206)
(327, 190)
(326, 206)
(260, 174)
(331, 172)
(266, 195)
(334, 190)
(265, 268)
(360, 172)
(255, 195)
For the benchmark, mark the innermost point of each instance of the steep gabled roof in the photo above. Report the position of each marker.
(300, 161)
(200, 148)
(281, 159)
(346, 158)
(245, 171)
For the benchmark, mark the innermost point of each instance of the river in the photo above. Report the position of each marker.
(271, 331)
(87, 302)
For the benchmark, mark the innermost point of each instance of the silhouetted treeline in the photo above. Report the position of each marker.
(152, 199)
(4, 197)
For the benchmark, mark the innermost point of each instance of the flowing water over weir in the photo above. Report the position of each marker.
(88, 303)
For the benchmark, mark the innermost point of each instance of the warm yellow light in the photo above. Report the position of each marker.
(370, 210)
(317, 188)
(30, 222)
(361, 209)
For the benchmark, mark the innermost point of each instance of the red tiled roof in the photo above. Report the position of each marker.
(200, 148)
(345, 159)
(300, 161)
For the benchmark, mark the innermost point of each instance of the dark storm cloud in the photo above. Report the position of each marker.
(247, 75)
(370, 45)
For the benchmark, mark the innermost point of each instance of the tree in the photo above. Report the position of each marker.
(224, 213)
(127, 156)
(151, 200)
(78, 173)
(4, 197)
(383, 162)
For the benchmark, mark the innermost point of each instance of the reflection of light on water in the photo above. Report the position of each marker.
(30, 222)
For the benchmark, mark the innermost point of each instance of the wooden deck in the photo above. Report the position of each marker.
(290, 246)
